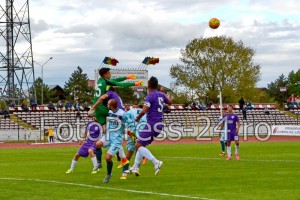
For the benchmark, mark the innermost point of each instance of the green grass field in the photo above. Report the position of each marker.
(265, 171)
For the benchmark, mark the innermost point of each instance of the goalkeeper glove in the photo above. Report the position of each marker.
(131, 76)
(139, 83)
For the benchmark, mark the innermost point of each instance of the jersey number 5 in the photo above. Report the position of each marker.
(98, 90)
(161, 104)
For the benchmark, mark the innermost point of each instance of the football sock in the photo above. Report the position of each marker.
(223, 146)
(147, 154)
(99, 154)
(229, 151)
(122, 153)
(138, 159)
(73, 164)
(109, 167)
(237, 148)
(95, 163)
(125, 167)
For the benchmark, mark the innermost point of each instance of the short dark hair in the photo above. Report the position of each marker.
(153, 82)
(103, 70)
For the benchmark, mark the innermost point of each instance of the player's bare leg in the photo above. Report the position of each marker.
(109, 164)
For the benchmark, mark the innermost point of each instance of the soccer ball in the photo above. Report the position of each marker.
(214, 23)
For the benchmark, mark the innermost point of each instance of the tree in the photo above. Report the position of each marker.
(47, 93)
(77, 86)
(127, 95)
(274, 88)
(211, 64)
(292, 84)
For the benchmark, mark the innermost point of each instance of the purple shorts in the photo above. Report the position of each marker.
(232, 136)
(84, 149)
(146, 136)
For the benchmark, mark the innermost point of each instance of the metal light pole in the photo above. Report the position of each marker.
(42, 66)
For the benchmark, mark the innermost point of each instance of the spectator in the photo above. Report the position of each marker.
(244, 111)
(201, 106)
(267, 112)
(76, 105)
(86, 106)
(68, 106)
(60, 105)
(33, 104)
(51, 106)
(11, 103)
(249, 105)
(241, 103)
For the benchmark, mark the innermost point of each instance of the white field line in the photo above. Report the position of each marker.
(106, 188)
(222, 159)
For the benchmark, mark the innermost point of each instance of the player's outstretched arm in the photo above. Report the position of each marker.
(123, 78)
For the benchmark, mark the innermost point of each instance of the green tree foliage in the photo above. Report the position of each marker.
(77, 86)
(127, 95)
(274, 88)
(292, 84)
(3, 105)
(210, 64)
(47, 93)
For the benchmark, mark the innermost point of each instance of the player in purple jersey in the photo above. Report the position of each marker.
(233, 126)
(92, 133)
(153, 106)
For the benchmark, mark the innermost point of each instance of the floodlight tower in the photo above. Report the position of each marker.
(16, 58)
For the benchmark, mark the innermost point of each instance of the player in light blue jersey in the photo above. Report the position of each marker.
(114, 136)
(223, 133)
(133, 131)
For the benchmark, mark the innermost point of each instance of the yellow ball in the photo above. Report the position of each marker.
(214, 23)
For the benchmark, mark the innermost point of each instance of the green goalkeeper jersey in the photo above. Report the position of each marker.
(103, 83)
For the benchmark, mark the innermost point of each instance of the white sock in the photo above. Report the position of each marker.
(147, 154)
(73, 164)
(237, 149)
(137, 161)
(95, 163)
(122, 153)
(229, 151)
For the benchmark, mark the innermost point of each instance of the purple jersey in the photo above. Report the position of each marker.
(155, 101)
(115, 96)
(232, 119)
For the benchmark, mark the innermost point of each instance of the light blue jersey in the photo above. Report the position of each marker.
(132, 125)
(115, 130)
(223, 131)
(132, 115)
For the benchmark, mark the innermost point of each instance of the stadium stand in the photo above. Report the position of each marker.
(42, 117)
(195, 117)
